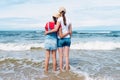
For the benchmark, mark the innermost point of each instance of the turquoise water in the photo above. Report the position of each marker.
(82, 40)
(94, 55)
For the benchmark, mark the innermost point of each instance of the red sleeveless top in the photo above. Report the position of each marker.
(49, 25)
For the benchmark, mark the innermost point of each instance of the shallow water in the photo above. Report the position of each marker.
(29, 69)
(85, 65)
(99, 64)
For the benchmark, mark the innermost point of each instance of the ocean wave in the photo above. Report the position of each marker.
(90, 45)
(92, 32)
(20, 47)
(96, 45)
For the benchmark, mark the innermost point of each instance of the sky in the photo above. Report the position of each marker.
(83, 14)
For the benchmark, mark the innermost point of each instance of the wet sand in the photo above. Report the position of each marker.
(85, 65)
(23, 66)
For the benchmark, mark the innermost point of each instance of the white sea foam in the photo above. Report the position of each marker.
(87, 32)
(96, 45)
(19, 47)
(90, 45)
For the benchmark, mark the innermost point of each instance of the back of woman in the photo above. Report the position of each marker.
(64, 42)
(50, 39)
(64, 27)
(51, 43)
(49, 26)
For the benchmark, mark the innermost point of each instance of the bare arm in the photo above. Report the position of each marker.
(61, 34)
(55, 29)
(70, 29)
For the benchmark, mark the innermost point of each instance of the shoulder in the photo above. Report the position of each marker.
(60, 19)
(68, 20)
(51, 22)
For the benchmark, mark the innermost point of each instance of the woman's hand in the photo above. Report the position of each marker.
(46, 32)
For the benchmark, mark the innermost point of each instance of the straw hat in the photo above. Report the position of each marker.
(62, 9)
(56, 15)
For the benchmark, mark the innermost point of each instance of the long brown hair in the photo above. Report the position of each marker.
(55, 20)
(64, 18)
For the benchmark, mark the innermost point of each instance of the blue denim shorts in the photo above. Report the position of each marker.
(64, 42)
(50, 42)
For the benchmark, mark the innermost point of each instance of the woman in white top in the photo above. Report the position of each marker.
(64, 37)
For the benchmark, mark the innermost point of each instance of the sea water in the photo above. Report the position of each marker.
(94, 55)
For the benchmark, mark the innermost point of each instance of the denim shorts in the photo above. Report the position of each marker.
(64, 42)
(50, 42)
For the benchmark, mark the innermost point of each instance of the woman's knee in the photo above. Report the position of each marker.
(54, 56)
(47, 56)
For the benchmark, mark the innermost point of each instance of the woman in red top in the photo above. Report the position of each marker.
(51, 43)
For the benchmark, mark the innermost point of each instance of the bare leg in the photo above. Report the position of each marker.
(47, 57)
(54, 59)
(66, 51)
(61, 58)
